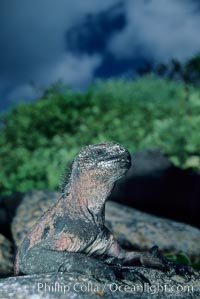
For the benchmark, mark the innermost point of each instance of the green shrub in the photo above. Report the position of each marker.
(38, 139)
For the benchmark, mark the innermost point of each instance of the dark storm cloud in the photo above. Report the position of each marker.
(160, 29)
(145, 31)
(32, 46)
(45, 41)
(92, 35)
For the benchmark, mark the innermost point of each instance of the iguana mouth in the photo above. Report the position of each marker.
(124, 156)
(124, 160)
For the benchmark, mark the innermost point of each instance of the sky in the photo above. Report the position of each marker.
(76, 42)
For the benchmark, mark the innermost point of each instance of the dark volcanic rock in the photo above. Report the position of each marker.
(76, 286)
(139, 230)
(154, 185)
(6, 257)
(8, 205)
(133, 229)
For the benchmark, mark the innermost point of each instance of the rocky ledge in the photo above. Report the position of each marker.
(76, 286)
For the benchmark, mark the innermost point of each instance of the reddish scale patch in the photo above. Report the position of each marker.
(35, 235)
(87, 186)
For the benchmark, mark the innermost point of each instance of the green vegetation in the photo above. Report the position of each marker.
(188, 72)
(183, 258)
(38, 139)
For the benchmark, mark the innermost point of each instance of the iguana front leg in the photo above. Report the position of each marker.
(152, 259)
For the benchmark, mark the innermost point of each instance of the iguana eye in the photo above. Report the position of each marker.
(99, 152)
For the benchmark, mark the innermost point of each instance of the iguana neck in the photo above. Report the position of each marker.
(86, 199)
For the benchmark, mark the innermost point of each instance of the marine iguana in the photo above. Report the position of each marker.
(74, 227)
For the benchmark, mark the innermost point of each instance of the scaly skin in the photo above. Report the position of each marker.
(75, 224)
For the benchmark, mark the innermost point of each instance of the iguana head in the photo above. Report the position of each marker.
(106, 161)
